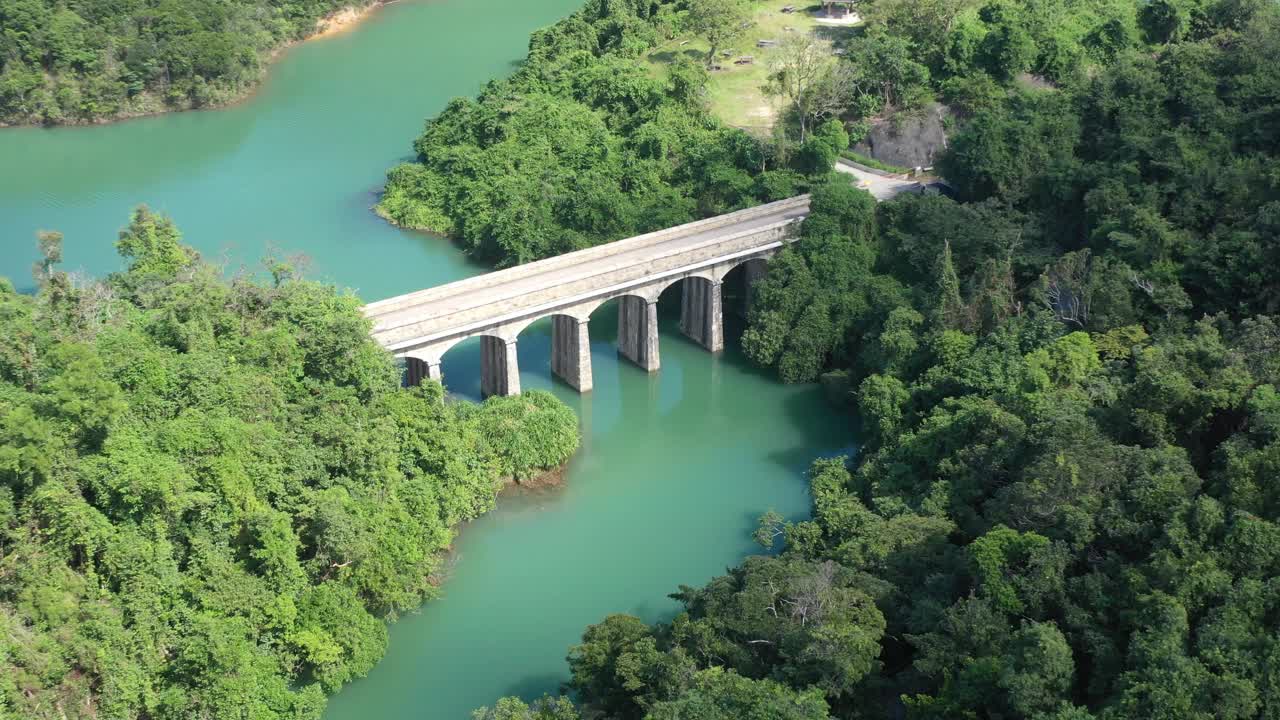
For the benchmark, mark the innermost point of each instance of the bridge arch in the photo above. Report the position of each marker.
(496, 353)
(569, 347)
(585, 311)
(739, 280)
(754, 265)
(706, 274)
(637, 326)
(698, 297)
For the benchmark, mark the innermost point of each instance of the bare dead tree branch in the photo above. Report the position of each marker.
(1065, 288)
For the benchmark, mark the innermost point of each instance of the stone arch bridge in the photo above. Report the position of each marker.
(422, 326)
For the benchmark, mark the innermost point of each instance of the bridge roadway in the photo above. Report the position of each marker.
(421, 326)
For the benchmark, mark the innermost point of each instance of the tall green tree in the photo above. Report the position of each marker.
(719, 22)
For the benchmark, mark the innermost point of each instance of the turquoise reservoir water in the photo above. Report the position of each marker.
(674, 467)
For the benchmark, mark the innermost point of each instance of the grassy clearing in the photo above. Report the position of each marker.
(735, 90)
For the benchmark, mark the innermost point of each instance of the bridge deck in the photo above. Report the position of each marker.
(440, 310)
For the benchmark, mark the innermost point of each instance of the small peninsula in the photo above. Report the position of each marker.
(214, 492)
(99, 61)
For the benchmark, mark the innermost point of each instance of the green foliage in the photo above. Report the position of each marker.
(1003, 151)
(582, 145)
(719, 21)
(966, 44)
(803, 621)
(620, 668)
(414, 197)
(720, 695)
(1038, 669)
(881, 403)
(817, 287)
(951, 308)
(799, 622)
(214, 494)
(888, 73)
(530, 432)
(1064, 505)
(1068, 362)
(153, 245)
(1000, 554)
(101, 59)
(816, 156)
(546, 708)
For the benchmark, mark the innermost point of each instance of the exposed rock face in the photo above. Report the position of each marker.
(344, 19)
(908, 140)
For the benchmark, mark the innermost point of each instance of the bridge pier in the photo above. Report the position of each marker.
(499, 369)
(417, 370)
(638, 331)
(701, 314)
(571, 352)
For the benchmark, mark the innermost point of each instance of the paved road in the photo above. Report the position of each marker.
(882, 188)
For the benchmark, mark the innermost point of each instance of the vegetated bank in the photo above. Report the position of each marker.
(98, 60)
(1065, 384)
(584, 145)
(213, 491)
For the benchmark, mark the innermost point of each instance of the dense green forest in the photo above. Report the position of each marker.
(72, 61)
(1064, 385)
(584, 144)
(214, 491)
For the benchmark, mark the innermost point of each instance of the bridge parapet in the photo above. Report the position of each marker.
(586, 255)
(577, 294)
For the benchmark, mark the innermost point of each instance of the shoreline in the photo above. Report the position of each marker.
(376, 209)
(336, 23)
(551, 480)
(342, 21)
(547, 479)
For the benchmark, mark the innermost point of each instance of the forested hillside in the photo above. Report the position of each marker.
(213, 492)
(1064, 384)
(85, 60)
(585, 144)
